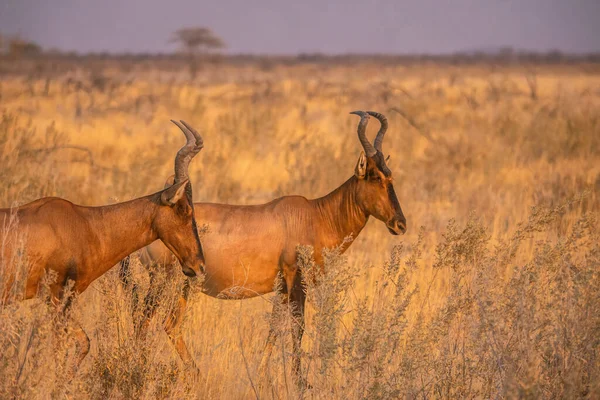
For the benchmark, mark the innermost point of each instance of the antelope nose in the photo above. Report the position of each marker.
(190, 273)
(397, 226)
(401, 225)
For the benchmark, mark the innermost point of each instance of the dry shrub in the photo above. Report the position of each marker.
(130, 365)
(512, 324)
(472, 305)
(37, 359)
(27, 162)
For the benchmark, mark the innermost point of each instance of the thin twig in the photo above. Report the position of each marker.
(244, 355)
(411, 121)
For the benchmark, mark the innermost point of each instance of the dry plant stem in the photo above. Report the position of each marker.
(510, 309)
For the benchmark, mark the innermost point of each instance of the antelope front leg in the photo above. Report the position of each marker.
(173, 325)
(78, 335)
(280, 300)
(296, 304)
(82, 344)
(150, 305)
(126, 282)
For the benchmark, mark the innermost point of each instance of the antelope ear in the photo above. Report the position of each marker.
(361, 166)
(170, 196)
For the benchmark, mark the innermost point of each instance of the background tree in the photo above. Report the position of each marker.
(18, 47)
(196, 42)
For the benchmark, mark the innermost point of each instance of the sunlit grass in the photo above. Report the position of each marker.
(479, 150)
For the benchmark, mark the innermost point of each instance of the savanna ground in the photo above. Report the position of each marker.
(494, 292)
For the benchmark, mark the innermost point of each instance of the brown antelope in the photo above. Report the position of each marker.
(82, 243)
(248, 247)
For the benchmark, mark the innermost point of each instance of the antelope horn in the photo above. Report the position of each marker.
(384, 125)
(362, 126)
(199, 141)
(186, 153)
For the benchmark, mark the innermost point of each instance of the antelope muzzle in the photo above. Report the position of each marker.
(397, 225)
(192, 272)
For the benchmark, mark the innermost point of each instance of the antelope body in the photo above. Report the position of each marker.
(246, 247)
(81, 243)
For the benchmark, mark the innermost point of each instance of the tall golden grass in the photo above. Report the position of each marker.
(493, 292)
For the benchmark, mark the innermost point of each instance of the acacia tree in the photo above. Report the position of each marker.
(196, 42)
(16, 46)
(20, 47)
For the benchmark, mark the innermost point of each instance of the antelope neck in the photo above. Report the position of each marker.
(340, 211)
(123, 228)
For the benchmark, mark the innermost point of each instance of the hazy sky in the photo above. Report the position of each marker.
(330, 26)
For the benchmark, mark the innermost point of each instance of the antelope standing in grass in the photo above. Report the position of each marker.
(248, 247)
(81, 243)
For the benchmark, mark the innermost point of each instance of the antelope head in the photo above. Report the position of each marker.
(376, 194)
(175, 222)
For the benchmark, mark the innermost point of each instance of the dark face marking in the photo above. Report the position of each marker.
(394, 200)
(188, 195)
(186, 248)
(389, 207)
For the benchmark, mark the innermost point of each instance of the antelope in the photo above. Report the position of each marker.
(81, 243)
(248, 247)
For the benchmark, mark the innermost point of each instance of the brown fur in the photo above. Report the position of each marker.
(246, 247)
(81, 243)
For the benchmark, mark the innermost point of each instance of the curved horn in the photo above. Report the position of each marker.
(362, 127)
(199, 141)
(186, 153)
(384, 125)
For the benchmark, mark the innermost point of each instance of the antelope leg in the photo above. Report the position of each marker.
(280, 300)
(297, 303)
(82, 344)
(173, 325)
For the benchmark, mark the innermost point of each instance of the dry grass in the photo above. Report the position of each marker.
(497, 295)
